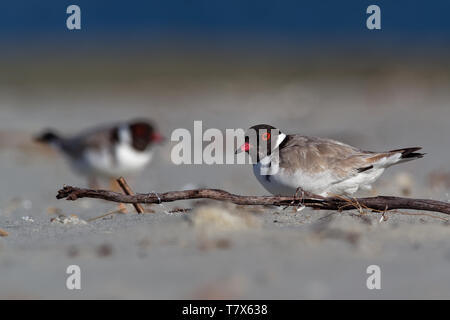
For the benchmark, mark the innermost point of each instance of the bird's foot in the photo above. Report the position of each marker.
(122, 208)
(300, 206)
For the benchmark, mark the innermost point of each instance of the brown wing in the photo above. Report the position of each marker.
(94, 139)
(316, 155)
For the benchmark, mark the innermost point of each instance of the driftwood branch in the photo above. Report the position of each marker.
(380, 203)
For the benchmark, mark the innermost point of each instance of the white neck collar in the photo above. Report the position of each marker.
(280, 139)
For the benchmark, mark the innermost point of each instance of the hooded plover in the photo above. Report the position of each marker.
(284, 163)
(108, 151)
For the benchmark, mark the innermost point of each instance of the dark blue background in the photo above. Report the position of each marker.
(238, 22)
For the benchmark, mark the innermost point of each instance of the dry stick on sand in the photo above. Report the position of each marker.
(380, 203)
(127, 190)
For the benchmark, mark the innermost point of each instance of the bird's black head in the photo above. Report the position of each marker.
(139, 133)
(48, 136)
(260, 140)
(144, 133)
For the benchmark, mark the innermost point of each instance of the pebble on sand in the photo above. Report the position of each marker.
(72, 219)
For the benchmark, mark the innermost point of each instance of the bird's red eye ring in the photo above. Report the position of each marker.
(265, 136)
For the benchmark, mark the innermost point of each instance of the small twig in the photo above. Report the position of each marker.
(127, 190)
(180, 210)
(317, 202)
(104, 215)
(418, 214)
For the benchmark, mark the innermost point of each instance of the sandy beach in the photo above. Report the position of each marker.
(220, 250)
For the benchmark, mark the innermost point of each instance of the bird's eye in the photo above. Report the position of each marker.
(265, 136)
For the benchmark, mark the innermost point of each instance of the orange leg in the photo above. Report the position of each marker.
(114, 186)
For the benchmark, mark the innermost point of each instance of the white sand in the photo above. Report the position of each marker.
(285, 254)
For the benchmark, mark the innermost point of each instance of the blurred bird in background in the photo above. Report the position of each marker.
(109, 151)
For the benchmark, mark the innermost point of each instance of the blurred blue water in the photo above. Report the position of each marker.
(231, 22)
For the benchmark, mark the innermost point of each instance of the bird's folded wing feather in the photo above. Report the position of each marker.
(316, 155)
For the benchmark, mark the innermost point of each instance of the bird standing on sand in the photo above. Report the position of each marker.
(286, 163)
(109, 151)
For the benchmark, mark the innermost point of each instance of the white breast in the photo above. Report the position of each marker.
(286, 183)
(125, 161)
(283, 182)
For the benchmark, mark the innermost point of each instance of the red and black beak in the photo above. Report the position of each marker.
(244, 148)
(156, 137)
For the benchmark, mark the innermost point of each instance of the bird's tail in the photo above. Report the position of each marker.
(408, 154)
(389, 158)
